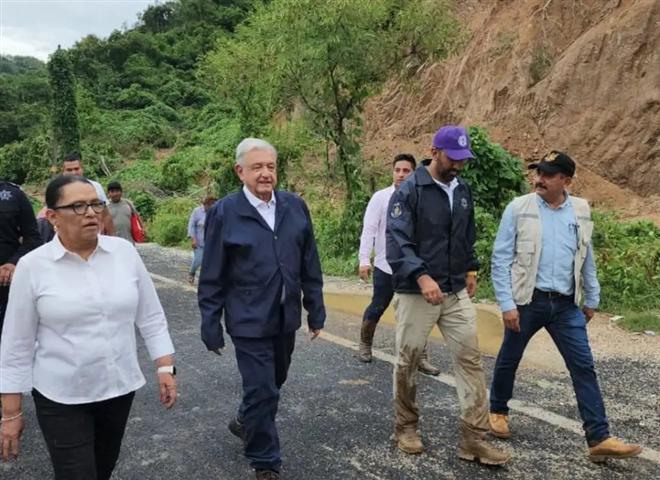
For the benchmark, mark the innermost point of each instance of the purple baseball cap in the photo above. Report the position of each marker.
(454, 141)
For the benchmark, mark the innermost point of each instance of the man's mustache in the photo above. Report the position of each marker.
(540, 185)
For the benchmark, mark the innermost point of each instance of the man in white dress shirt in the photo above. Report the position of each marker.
(373, 240)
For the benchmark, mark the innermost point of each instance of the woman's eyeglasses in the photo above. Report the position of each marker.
(80, 208)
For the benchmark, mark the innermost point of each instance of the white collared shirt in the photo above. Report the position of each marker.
(373, 230)
(267, 212)
(265, 209)
(449, 190)
(70, 324)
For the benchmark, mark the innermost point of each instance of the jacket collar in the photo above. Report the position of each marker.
(423, 177)
(247, 209)
(256, 201)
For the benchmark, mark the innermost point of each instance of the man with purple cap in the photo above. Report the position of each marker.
(430, 247)
(542, 266)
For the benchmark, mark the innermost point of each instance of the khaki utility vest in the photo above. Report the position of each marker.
(526, 217)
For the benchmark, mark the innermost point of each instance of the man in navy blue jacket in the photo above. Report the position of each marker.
(430, 247)
(260, 256)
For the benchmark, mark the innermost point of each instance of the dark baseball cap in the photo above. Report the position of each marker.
(114, 185)
(555, 162)
(454, 141)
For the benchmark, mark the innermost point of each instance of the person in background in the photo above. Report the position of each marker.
(72, 165)
(373, 240)
(18, 235)
(70, 340)
(542, 266)
(196, 234)
(121, 211)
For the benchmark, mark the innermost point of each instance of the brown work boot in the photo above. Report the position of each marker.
(474, 448)
(366, 340)
(425, 366)
(408, 440)
(612, 448)
(499, 425)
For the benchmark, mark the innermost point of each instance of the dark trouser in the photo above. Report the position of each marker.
(83, 440)
(264, 364)
(566, 324)
(382, 296)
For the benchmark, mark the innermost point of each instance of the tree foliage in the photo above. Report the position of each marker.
(64, 111)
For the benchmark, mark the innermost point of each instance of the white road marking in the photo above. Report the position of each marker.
(520, 406)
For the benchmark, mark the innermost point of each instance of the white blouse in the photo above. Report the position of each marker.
(69, 328)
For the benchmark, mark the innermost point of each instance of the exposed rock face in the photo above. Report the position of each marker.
(581, 76)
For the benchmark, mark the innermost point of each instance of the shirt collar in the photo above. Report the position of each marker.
(451, 185)
(565, 203)
(59, 250)
(256, 201)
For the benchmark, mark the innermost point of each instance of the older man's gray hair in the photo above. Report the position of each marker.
(249, 144)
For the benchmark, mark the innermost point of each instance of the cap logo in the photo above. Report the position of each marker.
(551, 157)
(462, 141)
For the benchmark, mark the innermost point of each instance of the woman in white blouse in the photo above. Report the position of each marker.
(69, 337)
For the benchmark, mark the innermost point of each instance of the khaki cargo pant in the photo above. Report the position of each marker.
(456, 318)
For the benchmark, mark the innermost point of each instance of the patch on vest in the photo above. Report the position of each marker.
(464, 203)
(5, 195)
(396, 210)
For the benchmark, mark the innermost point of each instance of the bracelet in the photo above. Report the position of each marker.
(9, 419)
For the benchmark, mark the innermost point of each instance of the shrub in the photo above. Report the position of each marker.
(180, 170)
(540, 64)
(169, 225)
(628, 263)
(495, 175)
(145, 204)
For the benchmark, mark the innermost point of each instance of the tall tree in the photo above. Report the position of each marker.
(66, 134)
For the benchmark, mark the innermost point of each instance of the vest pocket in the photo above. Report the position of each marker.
(524, 253)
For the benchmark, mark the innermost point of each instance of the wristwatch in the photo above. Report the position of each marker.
(171, 369)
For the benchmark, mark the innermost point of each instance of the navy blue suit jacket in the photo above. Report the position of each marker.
(246, 265)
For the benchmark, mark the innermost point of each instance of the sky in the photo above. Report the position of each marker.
(35, 27)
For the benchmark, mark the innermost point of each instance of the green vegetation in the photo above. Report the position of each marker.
(161, 107)
(66, 134)
(641, 322)
(540, 64)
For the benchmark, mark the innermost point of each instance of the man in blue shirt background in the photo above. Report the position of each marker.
(196, 235)
(542, 265)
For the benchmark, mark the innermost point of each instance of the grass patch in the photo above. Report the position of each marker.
(641, 321)
(540, 65)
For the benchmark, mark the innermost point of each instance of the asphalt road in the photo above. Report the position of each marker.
(335, 416)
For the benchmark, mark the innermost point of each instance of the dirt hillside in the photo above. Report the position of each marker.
(581, 76)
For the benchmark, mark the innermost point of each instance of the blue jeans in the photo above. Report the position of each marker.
(566, 324)
(382, 296)
(198, 253)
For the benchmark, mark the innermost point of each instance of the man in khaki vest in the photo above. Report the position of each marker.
(542, 266)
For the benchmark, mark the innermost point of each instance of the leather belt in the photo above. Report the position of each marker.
(541, 294)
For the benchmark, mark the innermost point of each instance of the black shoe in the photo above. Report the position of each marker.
(267, 474)
(236, 428)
